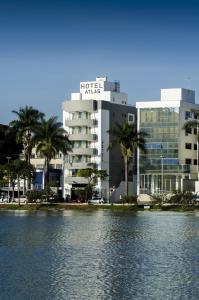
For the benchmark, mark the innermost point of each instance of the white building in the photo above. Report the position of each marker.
(87, 117)
(171, 160)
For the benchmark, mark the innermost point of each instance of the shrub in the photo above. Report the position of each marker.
(129, 199)
(32, 196)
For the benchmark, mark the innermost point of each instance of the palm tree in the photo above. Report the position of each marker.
(129, 139)
(194, 124)
(50, 139)
(28, 119)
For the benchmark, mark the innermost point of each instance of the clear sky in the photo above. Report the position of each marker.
(47, 47)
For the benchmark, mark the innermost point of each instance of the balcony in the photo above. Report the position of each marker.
(80, 122)
(83, 137)
(79, 165)
(76, 180)
(83, 151)
(157, 169)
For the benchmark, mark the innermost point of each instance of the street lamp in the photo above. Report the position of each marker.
(8, 158)
(162, 165)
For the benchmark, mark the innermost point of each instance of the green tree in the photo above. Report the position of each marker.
(127, 137)
(27, 120)
(17, 170)
(91, 175)
(8, 145)
(50, 139)
(3, 175)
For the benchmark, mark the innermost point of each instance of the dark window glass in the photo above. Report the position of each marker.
(95, 105)
(188, 161)
(188, 131)
(188, 115)
(195, 162)
(195, 146)
(188, 146)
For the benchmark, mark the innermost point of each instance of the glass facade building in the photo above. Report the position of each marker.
(161, 161)
(167, 163)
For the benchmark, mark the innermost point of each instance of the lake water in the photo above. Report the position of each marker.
(99, 255)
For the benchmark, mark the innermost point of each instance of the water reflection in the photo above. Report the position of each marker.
(99, 255)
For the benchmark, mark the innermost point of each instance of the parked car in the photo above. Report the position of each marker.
(22, 200)
(96, 200)
(4, 199)
(196, 197)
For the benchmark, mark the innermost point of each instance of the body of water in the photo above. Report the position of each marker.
(99, 255)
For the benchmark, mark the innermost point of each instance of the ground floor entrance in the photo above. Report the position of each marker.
(156, 183)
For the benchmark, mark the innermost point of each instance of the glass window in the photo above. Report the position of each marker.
(195, 162)
(188, 146)
(162, 125)
(188, 161)
(131, 118)
(188, 115)
(58, 166)
(195, 146)
(188, 131)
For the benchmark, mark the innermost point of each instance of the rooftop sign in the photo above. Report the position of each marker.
(92, 87)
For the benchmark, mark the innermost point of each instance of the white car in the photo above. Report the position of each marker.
(96, 200)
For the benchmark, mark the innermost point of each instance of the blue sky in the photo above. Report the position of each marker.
(47, 47)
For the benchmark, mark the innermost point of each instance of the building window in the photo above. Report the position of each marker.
(188, 146)
(195, 146)
(131, 118)
(195, 130)
(95, 105)
(188, 131)
(195, 162)
(58, 166)
(188, 161)
(95, 151)
(188, 115)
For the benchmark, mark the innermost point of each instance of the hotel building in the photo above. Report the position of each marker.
(171, 159)
(87, 117)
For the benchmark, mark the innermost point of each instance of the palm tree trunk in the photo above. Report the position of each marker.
(18, 189)
(46, 175)
(126, 175)
(28, 179)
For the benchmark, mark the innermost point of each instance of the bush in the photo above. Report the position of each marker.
(129, 199)
(183, 198)
(32, 196)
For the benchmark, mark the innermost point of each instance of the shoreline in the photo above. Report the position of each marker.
(90, 207)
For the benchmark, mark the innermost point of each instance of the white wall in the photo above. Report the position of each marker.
(103, 142)
(178, 94)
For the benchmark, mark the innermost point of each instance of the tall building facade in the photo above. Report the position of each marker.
(172, 152)
(87, 117)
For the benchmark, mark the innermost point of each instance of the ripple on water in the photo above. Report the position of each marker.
(99, 255)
